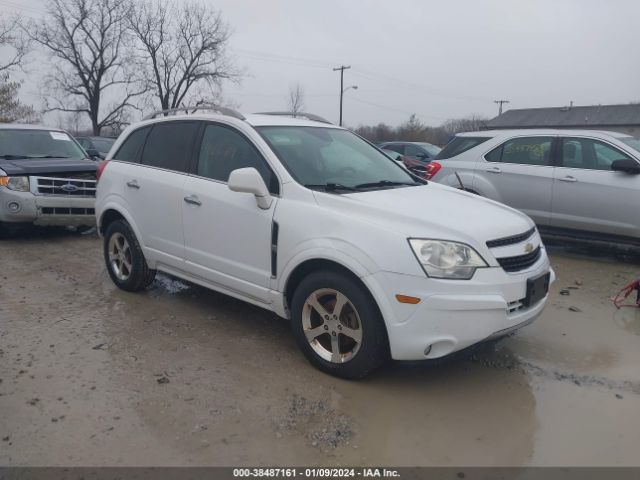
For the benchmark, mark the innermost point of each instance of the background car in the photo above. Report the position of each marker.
(574, 183)
(96, 146)
(45, 178)
(414, 166)
(418, 151)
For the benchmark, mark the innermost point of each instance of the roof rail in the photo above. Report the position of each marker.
(308, 116)
(194, 108)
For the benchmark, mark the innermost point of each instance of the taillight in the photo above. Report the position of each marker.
(432, 169)
(101, 167)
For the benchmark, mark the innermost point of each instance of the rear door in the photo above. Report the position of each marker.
(153, 188)
(227, 236)
(588, 195)
(519, 173)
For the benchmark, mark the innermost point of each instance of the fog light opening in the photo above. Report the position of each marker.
(14, 207)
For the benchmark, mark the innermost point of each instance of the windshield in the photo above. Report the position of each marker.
(103, 144)
(632, 142)
(431, 149)
(318, 156)
(17, 144)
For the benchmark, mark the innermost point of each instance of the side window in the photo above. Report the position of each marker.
(523, 151)
(131, 147)
(395, 147)
(224, 150)
(413, 151)
(606, 155)
(169, 145)
(589, 154)
(573, 155)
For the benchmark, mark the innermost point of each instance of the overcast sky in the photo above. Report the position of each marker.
(438, 59)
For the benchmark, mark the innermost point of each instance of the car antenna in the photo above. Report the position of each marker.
(459, 181)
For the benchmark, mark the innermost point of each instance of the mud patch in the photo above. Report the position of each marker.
(317, 421)
(165, 284)
(508, 361)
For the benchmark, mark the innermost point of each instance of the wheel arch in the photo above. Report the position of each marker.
(303, 269)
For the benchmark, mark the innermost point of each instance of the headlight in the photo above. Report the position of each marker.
(442, 259)
(19, 184)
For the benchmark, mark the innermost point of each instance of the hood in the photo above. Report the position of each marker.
(32, 166)
(431, 211)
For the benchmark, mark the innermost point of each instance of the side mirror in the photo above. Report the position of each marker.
(248, 180)
(627, 166)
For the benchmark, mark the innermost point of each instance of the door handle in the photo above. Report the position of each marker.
(568, 178)
(133, 184)
(193, 200)
(494, 170)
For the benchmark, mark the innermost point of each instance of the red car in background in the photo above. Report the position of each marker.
(417, 167)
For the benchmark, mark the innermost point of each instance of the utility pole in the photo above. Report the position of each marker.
(500, 102)
(342, 68)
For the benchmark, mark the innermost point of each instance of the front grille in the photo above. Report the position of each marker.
(520, 262)
(67, 211)
(502, 242)
(66, 187)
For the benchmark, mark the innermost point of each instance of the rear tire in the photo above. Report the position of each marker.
(125, 261)
(350, 342)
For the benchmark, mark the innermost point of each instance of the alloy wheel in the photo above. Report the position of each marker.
(332, 325)
(120, 256)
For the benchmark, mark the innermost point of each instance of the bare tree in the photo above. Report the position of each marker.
(472, 123)
(89, 42)
(295, 100)
(183, 48)
(14, 43)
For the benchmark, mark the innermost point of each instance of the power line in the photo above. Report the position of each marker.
(393, 109)
(405, 84)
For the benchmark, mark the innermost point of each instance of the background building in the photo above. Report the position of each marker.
(618, 118)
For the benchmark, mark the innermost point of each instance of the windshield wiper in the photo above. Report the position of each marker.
(332, 187)
(10, 156)
(385, 183)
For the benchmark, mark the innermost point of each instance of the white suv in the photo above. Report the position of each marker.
(310, 221)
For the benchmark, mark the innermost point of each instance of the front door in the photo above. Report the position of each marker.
(227, 236)
(588, 195)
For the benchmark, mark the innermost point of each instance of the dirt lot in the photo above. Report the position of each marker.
(90, 375)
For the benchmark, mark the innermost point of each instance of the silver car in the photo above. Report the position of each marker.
(575, 183)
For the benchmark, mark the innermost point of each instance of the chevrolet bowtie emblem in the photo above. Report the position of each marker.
(528, 248)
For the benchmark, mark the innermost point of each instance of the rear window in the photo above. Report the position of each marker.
(131, 147)
(460, 145)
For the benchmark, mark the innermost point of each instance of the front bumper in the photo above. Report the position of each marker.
(25, 207)
(453, 314)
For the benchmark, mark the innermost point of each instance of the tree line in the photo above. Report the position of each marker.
(108, 58)
(413, 130)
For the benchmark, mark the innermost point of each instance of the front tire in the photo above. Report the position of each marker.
(125, 261)
(338, 326)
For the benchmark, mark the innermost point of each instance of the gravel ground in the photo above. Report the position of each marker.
(178, 375)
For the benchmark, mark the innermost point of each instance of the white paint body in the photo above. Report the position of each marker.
(225, 243)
